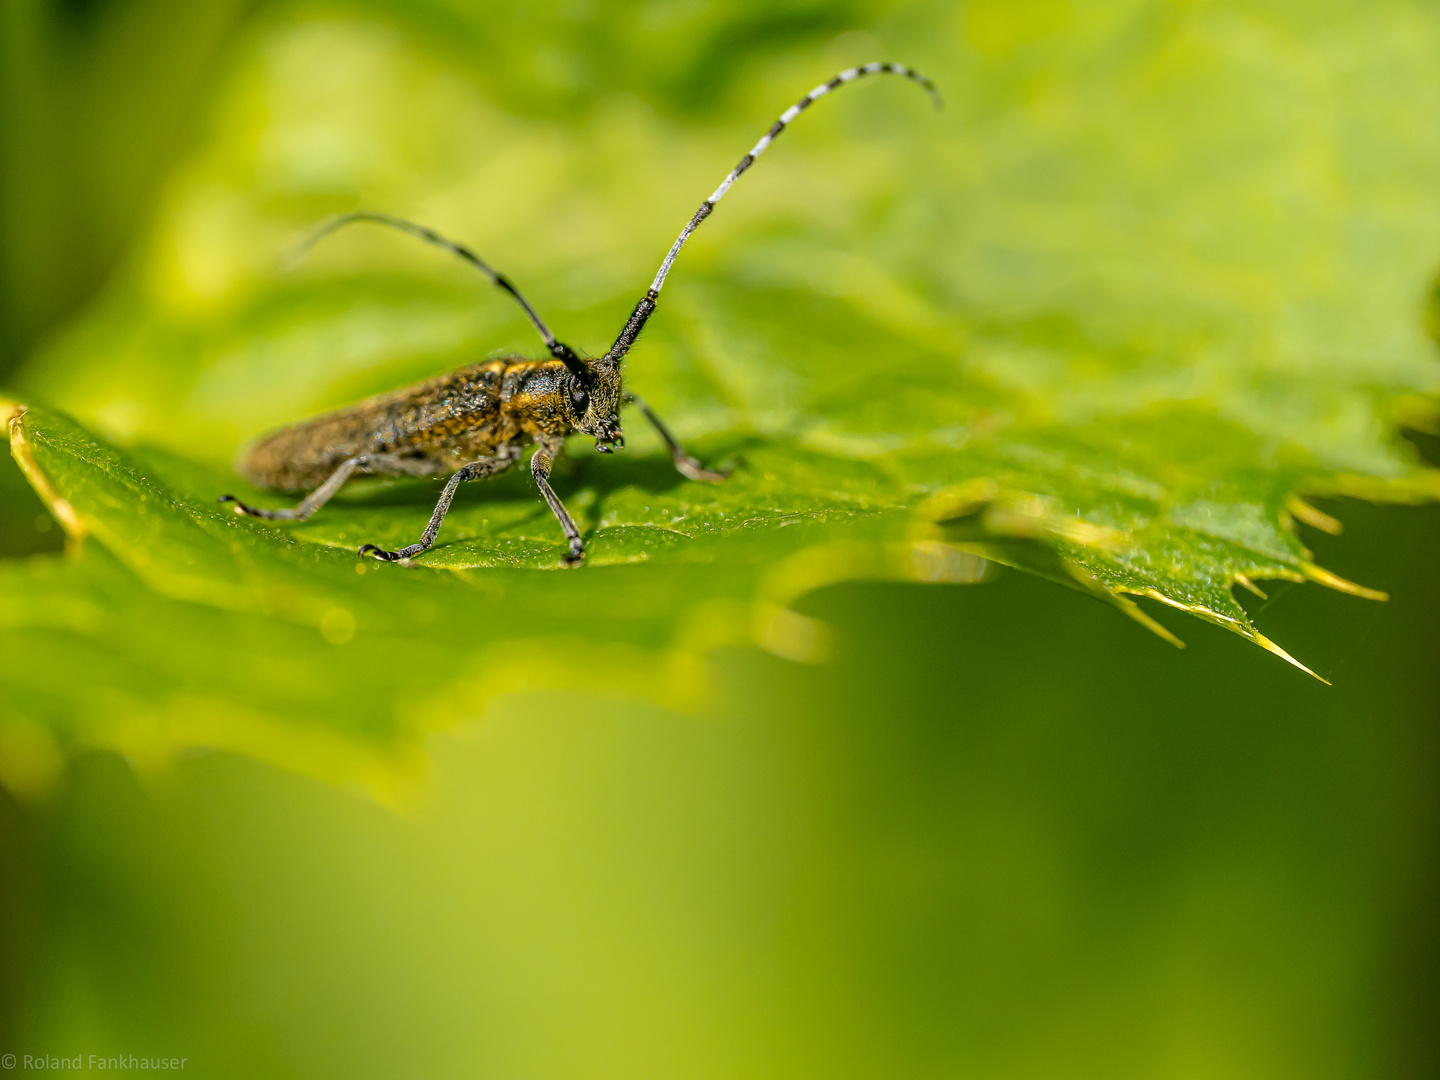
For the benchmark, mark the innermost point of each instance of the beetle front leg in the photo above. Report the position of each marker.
(540, 469)
(686, 464)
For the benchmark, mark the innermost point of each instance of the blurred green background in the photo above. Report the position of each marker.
(1000, 833)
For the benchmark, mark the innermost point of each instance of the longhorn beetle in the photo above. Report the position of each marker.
(475, 422)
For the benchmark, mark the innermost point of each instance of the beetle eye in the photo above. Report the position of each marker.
(579, 400)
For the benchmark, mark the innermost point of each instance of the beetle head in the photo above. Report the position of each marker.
(595, 402)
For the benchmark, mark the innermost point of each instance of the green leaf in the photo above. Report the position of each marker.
(1154, 277)
(196, 627)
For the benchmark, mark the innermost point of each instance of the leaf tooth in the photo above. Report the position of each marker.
(1243, 628)
(1241, 579)
(1322, 576)
(1118, 598)
(1136, 612)
(1315, 518)
(1265, 643)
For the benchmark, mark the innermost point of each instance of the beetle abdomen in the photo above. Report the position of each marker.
(453, 412)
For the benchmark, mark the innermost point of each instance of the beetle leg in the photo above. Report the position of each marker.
(540, 464)
(686, 464)
(312, 502)
(381, 463)
(476, 470)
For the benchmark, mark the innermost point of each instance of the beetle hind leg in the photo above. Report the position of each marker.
(246, 510)
(308, 505)
(384, 464)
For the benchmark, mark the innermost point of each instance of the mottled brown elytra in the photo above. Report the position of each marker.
(476, 421)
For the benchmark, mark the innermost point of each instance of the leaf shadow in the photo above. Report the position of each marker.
(605, 476)
(655, 473)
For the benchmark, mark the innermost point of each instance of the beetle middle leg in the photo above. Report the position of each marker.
(391, 464)
(476, 470)
(686, 464)
(540, 463)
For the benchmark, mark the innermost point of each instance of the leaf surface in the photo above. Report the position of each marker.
(1154, 277)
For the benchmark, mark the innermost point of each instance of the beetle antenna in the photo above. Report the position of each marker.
(559, 350)
(646, 307)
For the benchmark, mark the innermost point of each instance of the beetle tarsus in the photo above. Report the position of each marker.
(692, 469)
(240, 507)
(378, 552)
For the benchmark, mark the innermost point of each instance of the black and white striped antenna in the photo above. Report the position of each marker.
(558, 349)
(646, 307)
